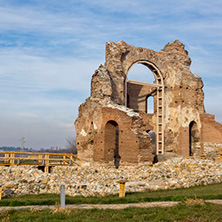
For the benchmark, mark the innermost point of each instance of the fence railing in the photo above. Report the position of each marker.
(44, 160)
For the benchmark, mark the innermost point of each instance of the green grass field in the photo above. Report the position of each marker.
(213, 191)
(201, 213)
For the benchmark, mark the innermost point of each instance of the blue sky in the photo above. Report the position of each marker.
(50, 49)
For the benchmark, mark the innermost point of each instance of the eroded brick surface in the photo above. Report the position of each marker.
(113, 123)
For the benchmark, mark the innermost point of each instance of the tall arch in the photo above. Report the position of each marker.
(158, 87)
(111, 141)
(153, 68)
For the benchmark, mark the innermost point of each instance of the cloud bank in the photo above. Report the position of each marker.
(50, 49)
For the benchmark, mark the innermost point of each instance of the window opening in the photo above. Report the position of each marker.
(150, 105)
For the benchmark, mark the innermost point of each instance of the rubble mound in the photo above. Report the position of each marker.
(103, 180)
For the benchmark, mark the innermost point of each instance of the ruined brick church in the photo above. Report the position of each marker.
(114, 123)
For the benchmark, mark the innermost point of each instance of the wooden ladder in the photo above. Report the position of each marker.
(160, 119)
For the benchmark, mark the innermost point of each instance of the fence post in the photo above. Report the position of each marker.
(46, 163)
(12, 159)
(62, 196)
(64, 159)
(122, 191)
(40, 159)
(6, 157)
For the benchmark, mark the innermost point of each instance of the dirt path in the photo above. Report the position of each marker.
(105, 206)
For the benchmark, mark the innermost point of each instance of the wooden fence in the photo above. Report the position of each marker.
(42, 160)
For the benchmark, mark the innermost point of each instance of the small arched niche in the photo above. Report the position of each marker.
(194, 138)
(153, 140)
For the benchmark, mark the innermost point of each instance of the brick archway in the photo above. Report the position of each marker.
(155, 89)
(111, 150)
(159, 83)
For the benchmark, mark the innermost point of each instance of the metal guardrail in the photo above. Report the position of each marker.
(44, 160)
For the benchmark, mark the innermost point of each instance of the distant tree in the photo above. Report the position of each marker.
(71, 145)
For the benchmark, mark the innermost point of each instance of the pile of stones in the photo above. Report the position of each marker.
(103, 180)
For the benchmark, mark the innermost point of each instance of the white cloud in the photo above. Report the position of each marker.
(50, 49)
(32, 106)
(35, 19)
(41, 73)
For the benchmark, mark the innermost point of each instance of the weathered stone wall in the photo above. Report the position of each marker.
(134, 143)
(103, 180)
(183, 108)
(184, 98)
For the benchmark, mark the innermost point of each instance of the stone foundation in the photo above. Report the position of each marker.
(101, 179)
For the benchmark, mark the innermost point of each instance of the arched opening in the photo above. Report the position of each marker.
(141, 73)
(111, 141)
(194, 138)
(137, 93)
(150, 104)
(146, 94)
(153, 140)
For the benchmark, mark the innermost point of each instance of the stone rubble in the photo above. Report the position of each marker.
(128, 111)
(103, 180)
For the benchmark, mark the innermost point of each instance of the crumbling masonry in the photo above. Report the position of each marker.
(113, 123)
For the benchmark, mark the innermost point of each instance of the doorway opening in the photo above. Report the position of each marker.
(112, 142)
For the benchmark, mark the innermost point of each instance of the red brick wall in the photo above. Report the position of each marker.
(137, 96)
(131, 146)
(183, 145)
(211, 130)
